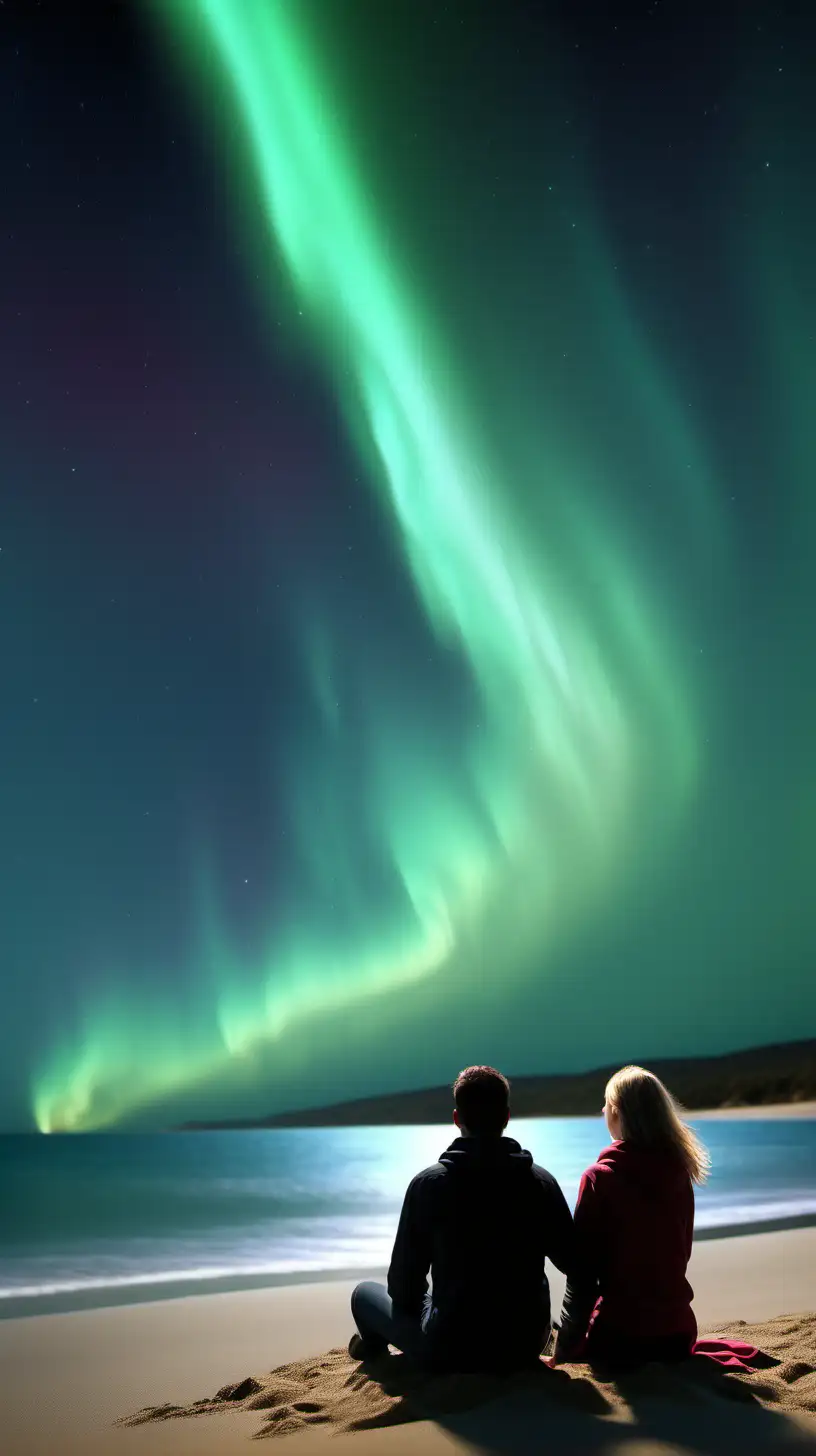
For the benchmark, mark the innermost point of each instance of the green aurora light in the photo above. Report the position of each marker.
(584, 747)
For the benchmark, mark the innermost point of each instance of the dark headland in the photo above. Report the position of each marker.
(757, 1077)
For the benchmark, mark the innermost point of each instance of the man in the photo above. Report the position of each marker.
(483, 1219)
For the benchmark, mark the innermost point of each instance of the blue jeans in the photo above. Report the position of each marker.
(381, 1325)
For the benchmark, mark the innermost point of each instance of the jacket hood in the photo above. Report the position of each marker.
(475, 1154)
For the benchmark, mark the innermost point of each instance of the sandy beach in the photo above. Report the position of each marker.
(774, 1111)
(65, 1379)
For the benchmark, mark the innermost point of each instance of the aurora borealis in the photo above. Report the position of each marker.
(407, 603)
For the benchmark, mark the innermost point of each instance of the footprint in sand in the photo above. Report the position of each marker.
(795, 1371)
(311, 1409)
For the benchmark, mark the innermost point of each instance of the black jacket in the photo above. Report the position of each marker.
(482, 1219)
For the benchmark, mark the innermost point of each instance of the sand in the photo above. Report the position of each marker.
(65, 1379)
(773, 1112)
(333, 1389)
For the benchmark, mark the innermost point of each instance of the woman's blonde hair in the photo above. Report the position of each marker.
(650, 1118)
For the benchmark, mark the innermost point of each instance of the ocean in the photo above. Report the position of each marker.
(115, 1218)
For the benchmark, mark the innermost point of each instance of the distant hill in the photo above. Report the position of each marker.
(752, 1078)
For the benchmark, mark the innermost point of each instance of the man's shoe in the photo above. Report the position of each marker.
(360, 1349)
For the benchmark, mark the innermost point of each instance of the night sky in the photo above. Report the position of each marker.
(407, 545)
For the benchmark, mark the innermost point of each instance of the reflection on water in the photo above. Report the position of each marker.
(128, 1211)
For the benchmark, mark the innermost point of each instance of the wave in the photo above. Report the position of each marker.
(321, 1256)
(168, 1276)
(759, 1211)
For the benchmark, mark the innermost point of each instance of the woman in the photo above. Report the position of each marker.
(628, 1299)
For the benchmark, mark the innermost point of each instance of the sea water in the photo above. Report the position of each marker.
(93, 1219)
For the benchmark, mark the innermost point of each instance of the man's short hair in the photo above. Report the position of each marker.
(481, 1096)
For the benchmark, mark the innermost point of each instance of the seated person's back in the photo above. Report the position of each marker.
(484, 1217)
(628, 1297)
(482, 1220)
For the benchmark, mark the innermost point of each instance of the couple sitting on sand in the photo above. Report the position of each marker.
(485, 1217)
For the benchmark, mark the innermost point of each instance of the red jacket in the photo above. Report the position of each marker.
(634, 1223)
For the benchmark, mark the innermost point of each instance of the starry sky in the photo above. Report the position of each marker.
(407, 545)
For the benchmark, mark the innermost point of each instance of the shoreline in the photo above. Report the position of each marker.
(759, 1111)
(756, 1112)
(773, 1111)
(134, 1296)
